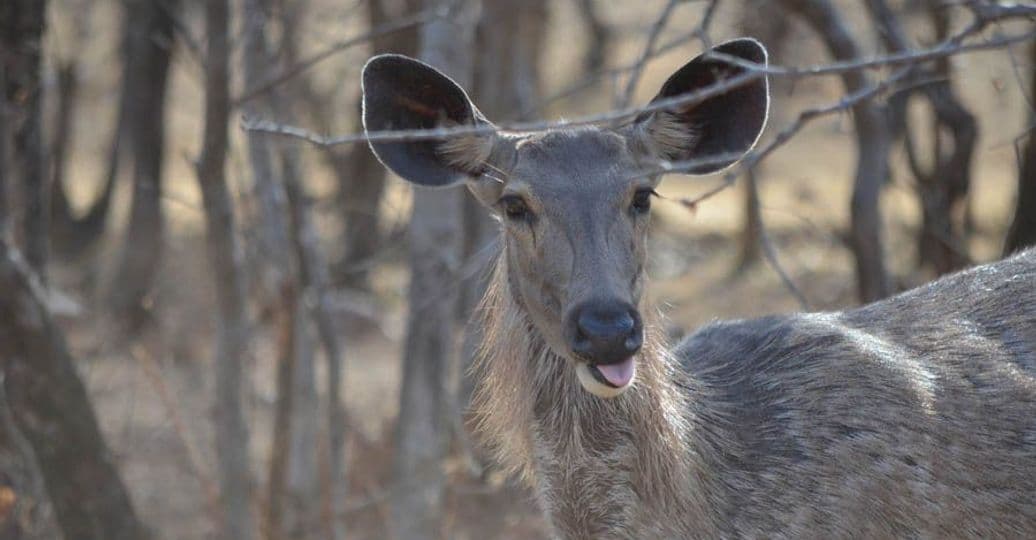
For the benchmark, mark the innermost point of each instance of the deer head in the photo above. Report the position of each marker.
(573, 203)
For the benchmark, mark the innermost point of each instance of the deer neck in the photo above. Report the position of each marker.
(614, 461)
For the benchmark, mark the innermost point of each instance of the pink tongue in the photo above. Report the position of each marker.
(618, 374)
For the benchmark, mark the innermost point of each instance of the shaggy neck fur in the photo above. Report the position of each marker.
(600, 467)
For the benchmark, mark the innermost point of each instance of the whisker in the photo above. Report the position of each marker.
(496, 169)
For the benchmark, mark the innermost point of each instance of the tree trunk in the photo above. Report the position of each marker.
(225, 257)
(303, 480)
(361, 178)
(148, 42)
(940, 244)
(280, 444)
(752, 229)
(73, 235)
(1022, 233)
(314, 280)
(597, 48)
(29, 515)
(25, 510)
(21, 40)
(872, 149)
(5, 151)
(773, 32)
(61, 216)
(51, 408)
(278, 284)
(425, 408)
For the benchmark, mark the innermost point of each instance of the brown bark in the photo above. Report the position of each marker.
(872, 149)
(70, 235)
(752, 229)
(52, 409)
(772, 32)
(597, 48)
(25, 509)
(61, 217)
(225, 258)
(302, 490)
(21, 41)
(361, 178)
(277, 277)
(314, 279)
(73, 235)
(1022, 233)
(5, 154)
(280, 445)
(423, 431)
(148, 42)
(941, 243)
(942, 188)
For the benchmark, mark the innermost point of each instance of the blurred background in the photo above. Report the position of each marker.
(205, 315)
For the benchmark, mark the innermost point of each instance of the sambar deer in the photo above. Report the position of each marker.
(910, 417)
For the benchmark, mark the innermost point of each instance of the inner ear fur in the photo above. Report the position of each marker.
(401, 93)
(727, 124)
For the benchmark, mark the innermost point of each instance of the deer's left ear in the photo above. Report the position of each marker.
(725, 125)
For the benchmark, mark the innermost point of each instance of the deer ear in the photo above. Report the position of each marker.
(725, 125)
(400, 93)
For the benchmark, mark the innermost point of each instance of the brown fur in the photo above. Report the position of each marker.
(568, 444)
(839, 424)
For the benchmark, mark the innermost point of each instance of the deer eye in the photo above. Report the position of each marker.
(515, 208)
(642, 201)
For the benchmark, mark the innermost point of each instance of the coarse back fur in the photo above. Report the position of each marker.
(914, 416)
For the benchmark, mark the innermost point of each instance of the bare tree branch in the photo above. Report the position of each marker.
(770, 254)
(52, 409)
(755, 71)
(396, 25)
(645, 55)
(225, 259)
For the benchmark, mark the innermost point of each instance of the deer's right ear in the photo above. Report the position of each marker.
(400, 93)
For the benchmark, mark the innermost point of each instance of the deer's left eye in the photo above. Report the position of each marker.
(642, 201)
(515, 208)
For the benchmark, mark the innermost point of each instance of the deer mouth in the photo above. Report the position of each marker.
(607, 380)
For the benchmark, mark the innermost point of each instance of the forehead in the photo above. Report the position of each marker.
(564, 163)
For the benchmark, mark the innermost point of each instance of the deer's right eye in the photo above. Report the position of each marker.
(515, 208)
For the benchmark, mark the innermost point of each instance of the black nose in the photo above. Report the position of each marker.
(605, 331)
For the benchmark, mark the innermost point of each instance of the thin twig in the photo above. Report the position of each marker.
(645, 55)
(770, 254)
(753, 73)
(153, 373)
(691, 99)
(592, 78)
(401, 23)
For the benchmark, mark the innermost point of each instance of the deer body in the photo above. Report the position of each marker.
(910, 417)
